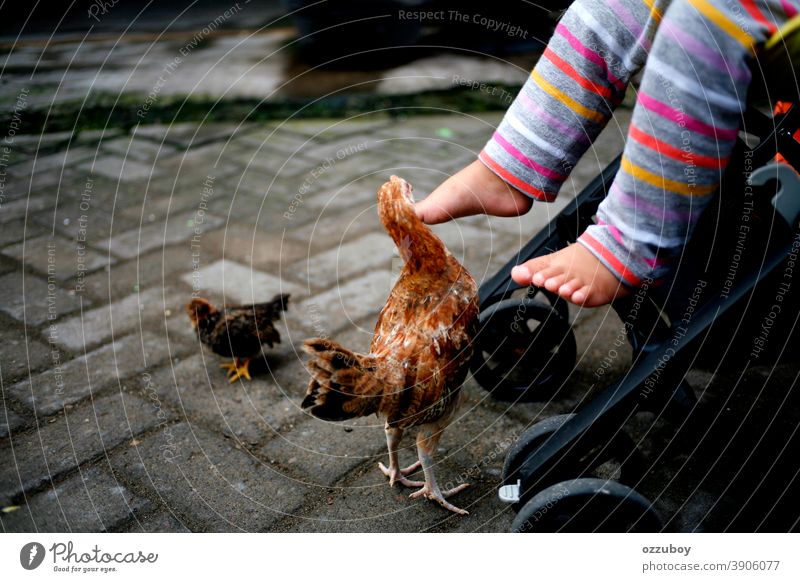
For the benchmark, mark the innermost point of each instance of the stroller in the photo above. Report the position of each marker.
(526, 349)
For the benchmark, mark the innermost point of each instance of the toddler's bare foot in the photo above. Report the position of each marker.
(473, 190)
(575, 274)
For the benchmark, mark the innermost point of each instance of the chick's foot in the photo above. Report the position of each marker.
(238, 370)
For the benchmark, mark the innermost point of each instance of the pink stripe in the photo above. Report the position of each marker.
(654, 262)
(693, 46)
(640, 204)
(790, 10)
(588, 54)
(613, 230)
(685, 120)
(546, 172)
(551, 120)
(633, 25)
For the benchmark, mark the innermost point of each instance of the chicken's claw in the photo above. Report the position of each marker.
(237, 370)
(440, 497)
(397, 475)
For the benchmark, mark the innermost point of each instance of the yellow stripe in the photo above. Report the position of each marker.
(590, 114)
(654, 11)
(665, 183)
(718, 18)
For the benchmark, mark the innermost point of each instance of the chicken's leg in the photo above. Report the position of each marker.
(394, 472)
(238, 370)
(427, 441)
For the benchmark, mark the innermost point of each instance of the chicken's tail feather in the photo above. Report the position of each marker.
(279, 304)
(343, 384)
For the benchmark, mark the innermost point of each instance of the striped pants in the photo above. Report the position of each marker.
(684, 126)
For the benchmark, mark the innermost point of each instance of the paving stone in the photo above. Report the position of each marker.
(238, 284)
(23, 207)
(373, 251)
(89, 501)
(178, 228)
(76, 379)
(55, 162)
(92, 136)
(39, 300)
(331, 229)
(154, 269)
(36, 142)
(191, 134)
(156, 208)
(208, 483)
(137, 149)
(161, 521)
(259, 167)
(67, 256)
(94, 326)
(273, 251)
(218, 160)
(116, 167)
(14, 232)
(20, 350)
(76, 436)
(10, 421)
(274, 139)
(345, 304)
(324, 452)
(326, 171)
(334, 128)
(250, 412)
(92, 204)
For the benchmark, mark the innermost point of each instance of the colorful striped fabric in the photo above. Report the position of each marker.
(685, 122)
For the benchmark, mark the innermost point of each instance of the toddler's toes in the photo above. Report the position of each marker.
(521, 275)
(542, 275)
(580, 296)
(570, 287)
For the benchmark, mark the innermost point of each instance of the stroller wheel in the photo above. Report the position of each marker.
(615, 458)
(587, 505)
(524, 350)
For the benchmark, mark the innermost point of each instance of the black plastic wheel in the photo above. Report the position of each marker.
(524, 350)
(616, 458)
(587, 505)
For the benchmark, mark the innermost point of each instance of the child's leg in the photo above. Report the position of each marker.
(684, 127)
(562, 108)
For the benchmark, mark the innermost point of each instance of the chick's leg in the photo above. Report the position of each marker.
(427, 441)
(238, 370)
(394, 472)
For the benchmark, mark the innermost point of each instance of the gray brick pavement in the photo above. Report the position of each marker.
(207, 482)
(89, 374)
(64, 442)
(33, 300)
(146, 433)
(90, 500)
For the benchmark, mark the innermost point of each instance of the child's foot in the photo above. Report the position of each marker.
(473, 190)
(573, 273)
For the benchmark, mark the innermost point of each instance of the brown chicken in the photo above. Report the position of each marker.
(237, 332)
(419, 354)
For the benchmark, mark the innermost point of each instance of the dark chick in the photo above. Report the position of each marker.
(237, 332)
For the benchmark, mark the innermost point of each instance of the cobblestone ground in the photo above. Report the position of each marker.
(115, 418)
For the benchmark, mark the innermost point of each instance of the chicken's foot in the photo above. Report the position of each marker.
(393, 471)
(427, 440)
(238, 370)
